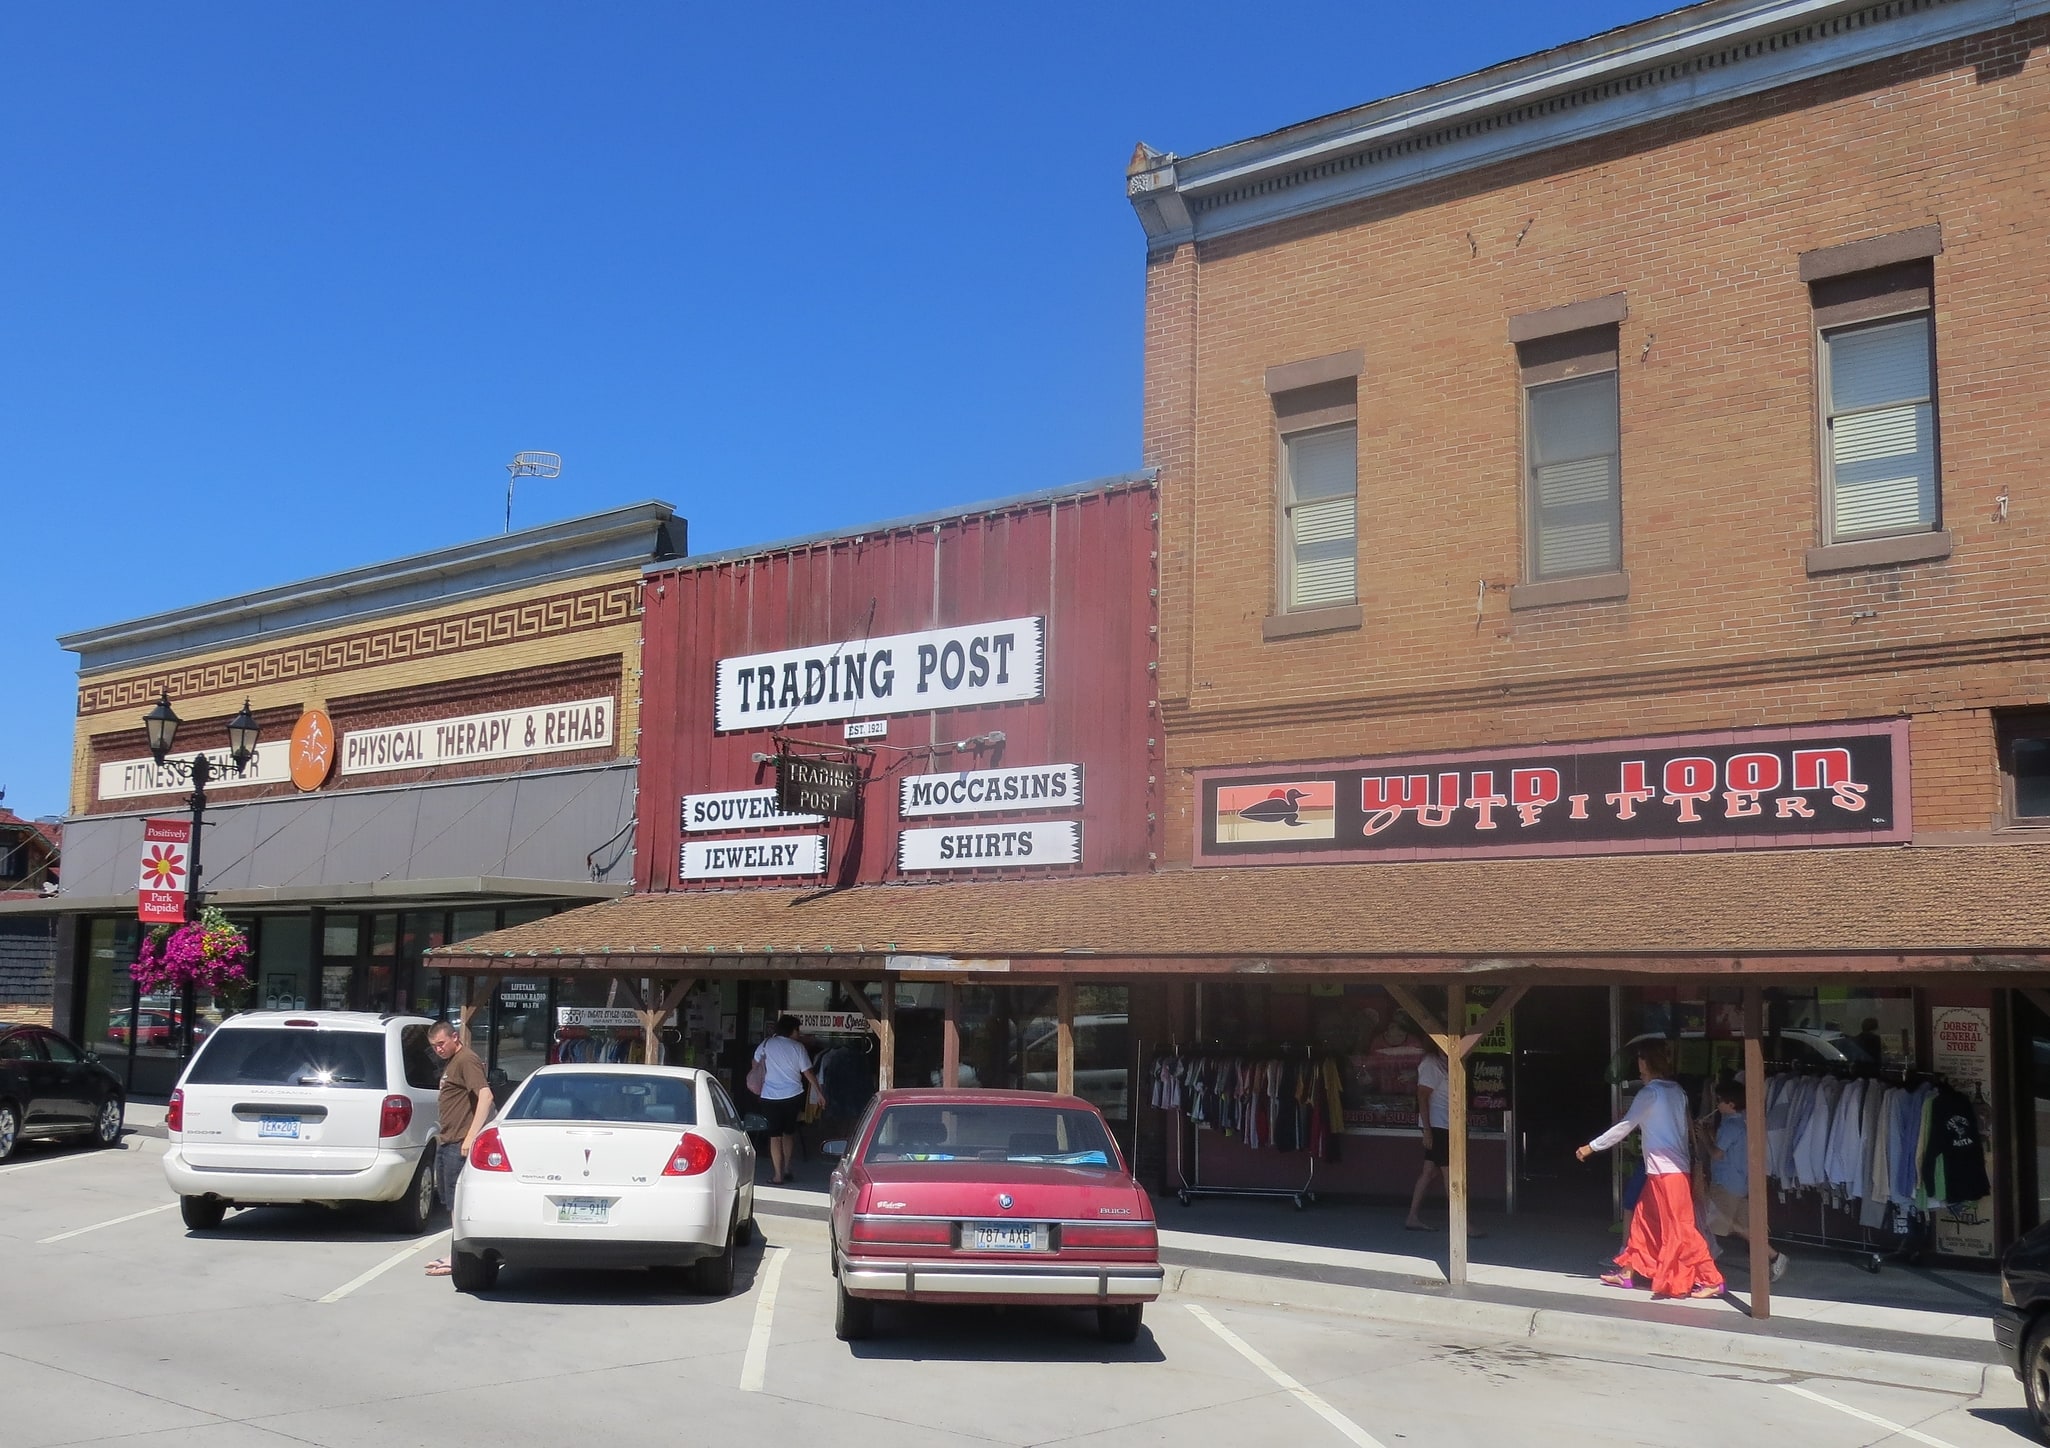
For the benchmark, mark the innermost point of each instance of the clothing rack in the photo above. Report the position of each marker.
(1189, 1172)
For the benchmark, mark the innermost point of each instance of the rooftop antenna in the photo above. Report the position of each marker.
(528, 465)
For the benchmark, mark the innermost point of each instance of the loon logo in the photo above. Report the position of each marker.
(1288, 809)
(1278, 808)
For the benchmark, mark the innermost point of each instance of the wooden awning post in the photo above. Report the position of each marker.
(653, 1016)
(1455, 1131)
(1064, 1038)
(476, 996)
(883, 1022)
(1755, 1227)
(950, 1038)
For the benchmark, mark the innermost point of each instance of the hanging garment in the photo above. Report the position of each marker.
(1811, 1148)
(1954, 1168)
(1844, 1160)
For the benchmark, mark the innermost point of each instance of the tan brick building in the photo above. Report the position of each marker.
(1670, 399)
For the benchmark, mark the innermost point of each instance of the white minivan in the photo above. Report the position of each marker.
(333, 1107)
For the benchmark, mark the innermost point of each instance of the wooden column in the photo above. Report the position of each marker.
(652, 1016)
(477, 991)
(950, 1038)
(1064, 1034)
(1755, 1228)
(883, 1022)
(1455, 1117)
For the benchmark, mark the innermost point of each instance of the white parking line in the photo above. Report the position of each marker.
(1873, 1418)
(115, 1222)
(1353, 1431)
(755, 1367)
(411, 1249)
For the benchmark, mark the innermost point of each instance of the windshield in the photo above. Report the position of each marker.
(966, 1132)
(290, 1056)
(607, 1096)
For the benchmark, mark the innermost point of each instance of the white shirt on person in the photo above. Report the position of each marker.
(1431, 1076)
(787, 1061)
(1660, 1112)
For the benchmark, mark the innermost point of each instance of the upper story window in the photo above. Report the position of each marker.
(2024, 738)
(1316, 416)
(1573, 456)
(1879, 428)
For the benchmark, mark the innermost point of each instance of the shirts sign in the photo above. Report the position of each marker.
(913, 673)
(501, 734)
(762, 855)
(991, 847)
(986, 791)
(165, 876)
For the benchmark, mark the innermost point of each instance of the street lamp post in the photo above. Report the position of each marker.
(161, 726)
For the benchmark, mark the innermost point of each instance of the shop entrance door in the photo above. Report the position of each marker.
(1562, 1097)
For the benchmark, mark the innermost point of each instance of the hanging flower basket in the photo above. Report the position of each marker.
(208, 954)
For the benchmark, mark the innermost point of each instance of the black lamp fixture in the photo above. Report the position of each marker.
(241, 736)
(161, 724)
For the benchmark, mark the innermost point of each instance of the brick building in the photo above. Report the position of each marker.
(448, 745)
(1653, 415)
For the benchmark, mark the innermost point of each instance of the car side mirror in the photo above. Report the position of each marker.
(833, 1148)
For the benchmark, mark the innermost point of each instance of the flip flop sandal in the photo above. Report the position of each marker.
(1618, 1279)
(1705, 1291)
(439, 1269)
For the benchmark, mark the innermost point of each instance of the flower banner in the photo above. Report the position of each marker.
(166, 862)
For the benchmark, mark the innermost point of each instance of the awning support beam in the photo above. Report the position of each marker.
(883, 1022)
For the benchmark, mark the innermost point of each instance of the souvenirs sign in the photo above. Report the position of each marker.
(913, 673)
(739, 809)
(501, 734)
(1826, 785)
(987, 791)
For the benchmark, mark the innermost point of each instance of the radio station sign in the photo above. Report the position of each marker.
(1826, 785)
(912, 673)
(763, 855)
(501, 734)
(830, 787)
(987, 791)
(991, 847)
(739, 809)
(135, 778)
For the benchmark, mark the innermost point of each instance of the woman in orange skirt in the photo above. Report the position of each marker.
(1664, 1245)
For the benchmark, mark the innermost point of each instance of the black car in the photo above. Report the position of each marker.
(51, 1088)
(2021, 1326)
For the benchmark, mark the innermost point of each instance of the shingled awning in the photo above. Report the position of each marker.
(1964, 910)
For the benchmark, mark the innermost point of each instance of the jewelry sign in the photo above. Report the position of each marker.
(761, 855)
(913, 673)
(1838, 784)
(166, 866)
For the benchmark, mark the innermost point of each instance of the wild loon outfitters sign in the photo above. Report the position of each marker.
(911, 673)
(501, 734)
(1746, 789)
(988, 791)
(759, 855)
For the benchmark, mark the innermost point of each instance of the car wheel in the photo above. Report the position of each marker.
(469, 1272)
(10, 1129)
(744, 1234)
(854, 1318)
(107, 1130)
(2036, 1374)
(202, 1214)
(411, 1213)
(1119, 1324)
(713, 1276)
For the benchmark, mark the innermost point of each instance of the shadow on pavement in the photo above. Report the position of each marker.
(314, 1224)
(614, 1286)
(918, 1332)
(2016, 1420)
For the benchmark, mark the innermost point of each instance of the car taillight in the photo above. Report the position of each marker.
(1131, 1236)
(488, 1152)
(900, 1232)
(692, 1155)
(174, 1112)
(396, 1116)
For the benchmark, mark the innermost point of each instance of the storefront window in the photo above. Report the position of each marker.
(284, 964)
(520, 1026)
(339, 937)
(381, 981)
(1103, 1048)
(422, 931)
(471, 923)
(1008, 1037)
(110, 949)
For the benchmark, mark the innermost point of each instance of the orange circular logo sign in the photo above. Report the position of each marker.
(313, 749)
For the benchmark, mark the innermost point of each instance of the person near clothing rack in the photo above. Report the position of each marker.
(1664, 1245)
(785, 1074)
(1434, 1124)
(1728, 1207)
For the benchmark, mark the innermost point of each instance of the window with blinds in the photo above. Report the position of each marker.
(1879, 440)
(1575, 482)
(1320, 523)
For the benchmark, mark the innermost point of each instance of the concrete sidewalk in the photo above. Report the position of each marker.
(1537, 1277)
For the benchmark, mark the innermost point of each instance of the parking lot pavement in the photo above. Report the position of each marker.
(280, 1328)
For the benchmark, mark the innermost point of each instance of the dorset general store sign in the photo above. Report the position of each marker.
(1827, 785)
(912, 673)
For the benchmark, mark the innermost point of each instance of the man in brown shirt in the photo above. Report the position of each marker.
(465, 1106)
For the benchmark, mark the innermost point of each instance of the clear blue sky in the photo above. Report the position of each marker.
(285, 285)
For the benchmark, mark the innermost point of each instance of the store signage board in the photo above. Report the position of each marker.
(1837, 784)
(313, 750)
(830, 787)
(739, 809)
(501, 734)
(868, 729)
(912, 673)
(990, 791)
(165, 873)
(991, 847)
(602, 1018)
(1961, 1052)
(136, 778)
(837, 1023)
(764, 855)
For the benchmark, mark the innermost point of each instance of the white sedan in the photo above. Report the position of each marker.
(608, 1166)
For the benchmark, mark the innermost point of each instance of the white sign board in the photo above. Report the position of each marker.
(985, 791)
(739, 809)
(766, 855)
(601, 1017)
(501, 734)
(991, 847)
(913, 673)
(814, 1023)
(1961, 1050)
(133, 778)
(868, 729)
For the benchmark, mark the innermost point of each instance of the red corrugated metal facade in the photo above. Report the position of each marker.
(1082, 560)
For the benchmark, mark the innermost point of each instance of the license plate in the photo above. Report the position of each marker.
(285, 1127)
(1003, 1236)
(582, 1209)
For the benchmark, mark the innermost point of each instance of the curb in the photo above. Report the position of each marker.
(1568, 1330)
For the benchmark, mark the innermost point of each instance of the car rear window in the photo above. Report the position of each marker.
(607, 1096)
(1046, 1135)
(291, 1056)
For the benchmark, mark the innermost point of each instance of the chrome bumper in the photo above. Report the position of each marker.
(1118, 1281)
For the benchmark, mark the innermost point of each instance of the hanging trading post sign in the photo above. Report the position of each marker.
(913, 673)
(829, 787)
(166, 871)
